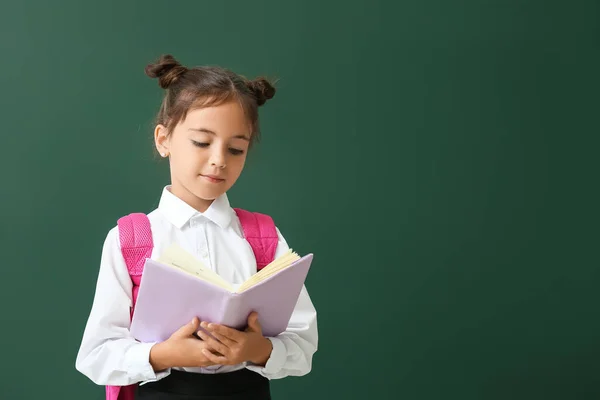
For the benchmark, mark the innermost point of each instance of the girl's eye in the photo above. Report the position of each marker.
(235, 152)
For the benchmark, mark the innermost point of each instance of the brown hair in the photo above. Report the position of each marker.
(205, 86)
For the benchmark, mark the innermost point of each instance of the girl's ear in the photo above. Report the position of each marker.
(161, 140)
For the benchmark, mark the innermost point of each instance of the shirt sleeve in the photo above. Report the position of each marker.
(294, 348)
(108, 355)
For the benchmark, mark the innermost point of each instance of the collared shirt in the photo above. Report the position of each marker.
(108, 355)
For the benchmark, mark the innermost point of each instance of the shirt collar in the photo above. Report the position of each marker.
(178, 212)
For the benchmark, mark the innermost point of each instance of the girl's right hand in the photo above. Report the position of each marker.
(182, 349)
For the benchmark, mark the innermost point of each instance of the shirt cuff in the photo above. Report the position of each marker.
(276, 360)
(138, 364)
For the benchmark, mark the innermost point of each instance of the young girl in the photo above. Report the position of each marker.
(205, 126)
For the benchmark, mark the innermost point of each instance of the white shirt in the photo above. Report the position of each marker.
(108, 355)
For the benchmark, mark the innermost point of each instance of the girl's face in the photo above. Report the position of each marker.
(207, 152)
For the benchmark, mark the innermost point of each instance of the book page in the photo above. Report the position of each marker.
(280, 263)
(177, 257)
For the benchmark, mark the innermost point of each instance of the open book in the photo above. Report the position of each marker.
(177, 287)
(177, 257)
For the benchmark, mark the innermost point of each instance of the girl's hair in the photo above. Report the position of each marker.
(189, 88)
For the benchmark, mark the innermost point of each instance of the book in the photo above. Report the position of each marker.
(177, 287)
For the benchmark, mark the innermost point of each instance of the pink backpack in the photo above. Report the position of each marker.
(136, 245)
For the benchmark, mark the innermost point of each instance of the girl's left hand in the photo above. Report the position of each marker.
(236, 346)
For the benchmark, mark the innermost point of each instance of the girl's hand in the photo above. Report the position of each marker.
(236, 346)
(182, 349)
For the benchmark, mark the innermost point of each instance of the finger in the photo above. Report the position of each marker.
(223, 339)
(213, 343)
(213, 351)
(253, 322)
(188, 329)
(223, 330)
(214, 358)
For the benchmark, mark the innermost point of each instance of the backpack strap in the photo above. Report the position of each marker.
(261, 233)
(135, 236)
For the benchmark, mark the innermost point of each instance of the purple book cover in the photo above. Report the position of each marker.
(169, 298)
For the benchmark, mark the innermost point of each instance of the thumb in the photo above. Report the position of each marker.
(188, 329)
(253, 323)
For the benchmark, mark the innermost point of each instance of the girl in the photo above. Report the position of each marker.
(206, 124)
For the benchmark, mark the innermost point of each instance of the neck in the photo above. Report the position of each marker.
(190, 198)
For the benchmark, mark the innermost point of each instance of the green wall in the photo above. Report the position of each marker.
(437, 157)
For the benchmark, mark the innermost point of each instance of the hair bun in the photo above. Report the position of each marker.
(263, 90)
(167, 69)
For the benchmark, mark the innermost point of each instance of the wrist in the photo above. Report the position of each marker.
(159, 357)
(264, 354)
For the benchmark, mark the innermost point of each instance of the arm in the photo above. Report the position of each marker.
(108, 355)
(293, 349)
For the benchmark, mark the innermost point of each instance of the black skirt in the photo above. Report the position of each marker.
(180, 385)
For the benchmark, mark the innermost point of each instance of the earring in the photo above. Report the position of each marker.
(163, 155)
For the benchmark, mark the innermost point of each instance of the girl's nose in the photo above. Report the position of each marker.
(218, 159)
